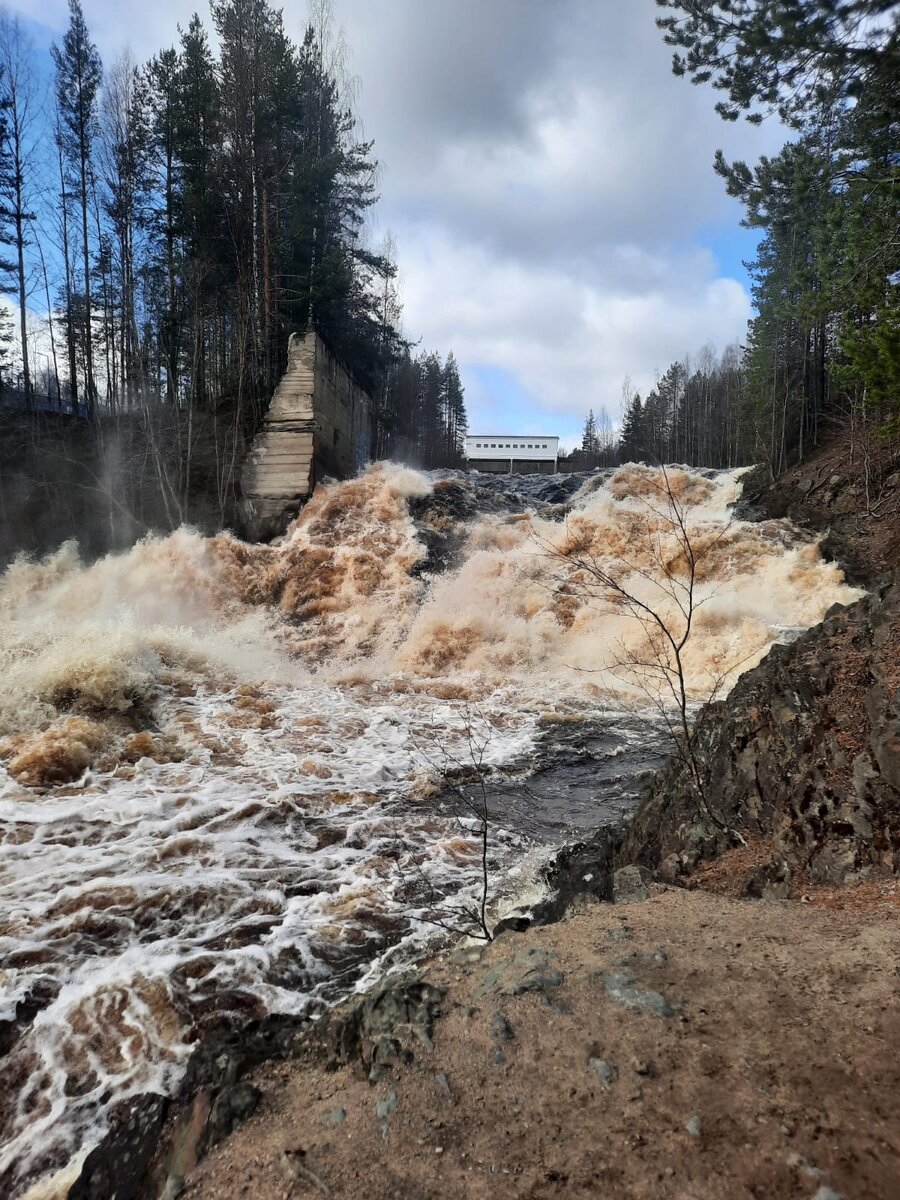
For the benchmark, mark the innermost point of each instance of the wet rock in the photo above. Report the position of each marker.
(583, 868)
(605, 1071)
(501, 1030)
(187, 1140)
(172, 1188)
(772, 881)
(441, 518)
(386, 1107)
(379, 1026)
(805, 750)
(225, 1055)
(41, 993)
(527, 970)
(630, 884)
(114, 1170)
(619, 987)
(211, 1116)
(233, 1105)
(514, 923)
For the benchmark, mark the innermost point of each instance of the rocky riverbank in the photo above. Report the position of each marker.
(804, 753)
(676, 1045)
(685, 1040)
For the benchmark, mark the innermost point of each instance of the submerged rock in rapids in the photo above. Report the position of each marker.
(115, 1168)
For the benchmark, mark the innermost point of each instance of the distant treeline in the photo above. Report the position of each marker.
(175, 221)
(696, 414)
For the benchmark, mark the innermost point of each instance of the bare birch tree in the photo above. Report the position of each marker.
(658, 585)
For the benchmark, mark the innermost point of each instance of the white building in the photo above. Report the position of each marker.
(500, 454)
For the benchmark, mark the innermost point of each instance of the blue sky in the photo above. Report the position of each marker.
(547, 181)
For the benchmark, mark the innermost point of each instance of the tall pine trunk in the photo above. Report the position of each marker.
(86, 251)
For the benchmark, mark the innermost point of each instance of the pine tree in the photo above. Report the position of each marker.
(7, 340)
(7, 185)
(162, 85)
(589, 444)
(78, 76)
(824, 278)
(18, 118)
(782, 54)
(126, 176)
(632, 437)
(455, 410)
(200, 212)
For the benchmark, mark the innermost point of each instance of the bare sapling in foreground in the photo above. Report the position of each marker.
(463, 775)
(656, 582)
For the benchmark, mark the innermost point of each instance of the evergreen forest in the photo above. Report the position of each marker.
(172, 223)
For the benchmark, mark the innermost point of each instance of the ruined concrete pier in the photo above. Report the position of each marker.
(317, 425)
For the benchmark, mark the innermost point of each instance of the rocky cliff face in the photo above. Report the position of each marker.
(849, 498)
(806, 749)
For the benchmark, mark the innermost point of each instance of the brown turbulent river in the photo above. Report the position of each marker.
(220, 763)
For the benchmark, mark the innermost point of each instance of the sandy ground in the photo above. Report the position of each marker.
(775, 1074)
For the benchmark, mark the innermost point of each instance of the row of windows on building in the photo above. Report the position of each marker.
(512, 446)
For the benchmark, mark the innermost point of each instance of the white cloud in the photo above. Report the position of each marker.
(568, 342)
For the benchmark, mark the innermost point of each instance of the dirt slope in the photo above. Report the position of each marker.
(850, 497)
(685, 1046)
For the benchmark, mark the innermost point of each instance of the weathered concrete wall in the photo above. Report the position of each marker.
(317, 424)
(501, 466)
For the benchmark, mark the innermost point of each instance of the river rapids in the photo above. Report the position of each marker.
(223, 767)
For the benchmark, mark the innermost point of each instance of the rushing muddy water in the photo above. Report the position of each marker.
(221, 784)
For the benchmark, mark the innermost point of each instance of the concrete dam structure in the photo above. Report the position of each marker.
(317, 425)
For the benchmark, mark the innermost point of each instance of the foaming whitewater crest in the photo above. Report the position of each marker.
(218, 790)
(343, 575)
(86, 652)
(521, 607)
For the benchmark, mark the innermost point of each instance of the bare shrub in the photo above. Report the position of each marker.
(658, 586)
